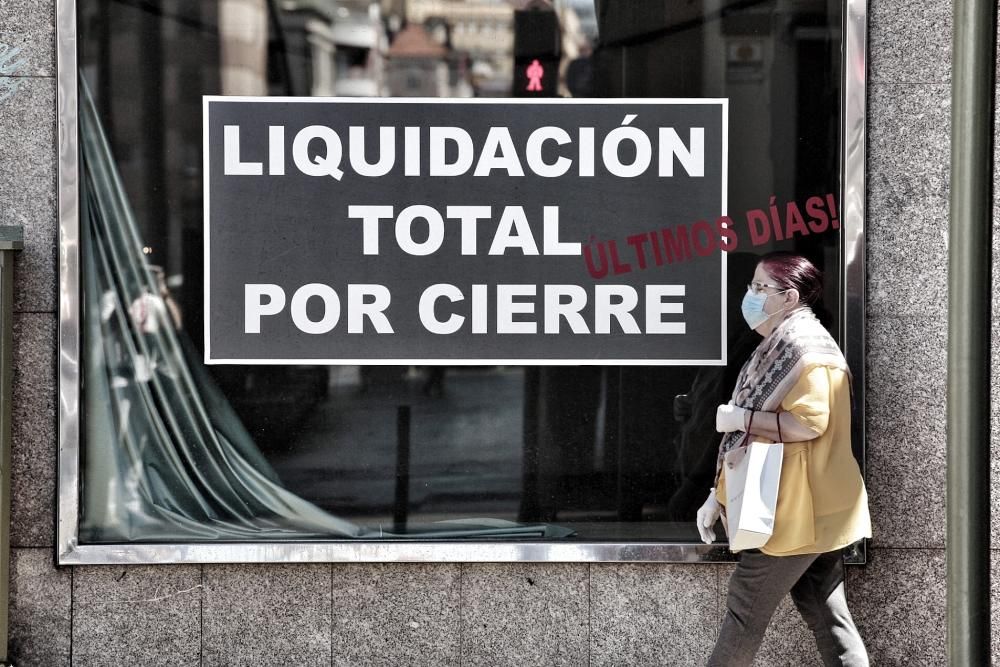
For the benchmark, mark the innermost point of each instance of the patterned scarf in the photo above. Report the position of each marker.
(797, 343)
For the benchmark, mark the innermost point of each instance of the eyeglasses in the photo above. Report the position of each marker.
(758, 288)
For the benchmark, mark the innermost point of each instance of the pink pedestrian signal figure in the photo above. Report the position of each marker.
(535, 72)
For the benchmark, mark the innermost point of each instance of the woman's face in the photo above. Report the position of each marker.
(777, 297)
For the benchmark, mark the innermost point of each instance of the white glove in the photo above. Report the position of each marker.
(730, 418)
(707, 516)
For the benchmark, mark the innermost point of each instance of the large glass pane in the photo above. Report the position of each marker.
(175, 450)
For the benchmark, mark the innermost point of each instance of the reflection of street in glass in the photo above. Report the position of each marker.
(466, 443)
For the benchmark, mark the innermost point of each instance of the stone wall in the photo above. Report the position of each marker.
(509, 614)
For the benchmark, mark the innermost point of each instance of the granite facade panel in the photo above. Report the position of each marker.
(995, 390)
(29, 27)
(898, 604)
(995, 607)
(995, 438)
(137, 615)
(909, 41)
(28, 187)
(907, 224)
(523, 614)
(40, 609)
(33, 431)
(255, 614)
(653, 614)
(905, 452)
(396, 613)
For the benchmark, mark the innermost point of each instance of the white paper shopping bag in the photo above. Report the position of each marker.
(753, 472)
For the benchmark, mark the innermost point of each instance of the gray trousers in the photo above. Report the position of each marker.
(816, 583)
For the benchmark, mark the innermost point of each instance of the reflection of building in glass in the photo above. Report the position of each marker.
(361, 44)
(306, 29)
(479, 36)
(482, 28)
(575, 44)
(243, 47)
(337, 47)
(417, 66)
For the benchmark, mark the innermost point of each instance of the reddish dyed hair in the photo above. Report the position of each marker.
(792, 271)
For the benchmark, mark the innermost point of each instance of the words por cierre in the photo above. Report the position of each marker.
(450, 151)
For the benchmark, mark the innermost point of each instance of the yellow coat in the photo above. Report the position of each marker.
(822, 501)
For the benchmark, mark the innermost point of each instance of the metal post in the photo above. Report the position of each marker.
(401, 506)
(969, 272)
(11, 240)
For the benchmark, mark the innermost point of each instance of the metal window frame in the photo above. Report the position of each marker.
(71, 552)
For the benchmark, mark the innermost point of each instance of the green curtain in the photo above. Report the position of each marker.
(165, 457)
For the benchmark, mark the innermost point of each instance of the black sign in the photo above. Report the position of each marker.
(422, 231)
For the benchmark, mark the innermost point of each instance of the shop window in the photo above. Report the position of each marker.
(173, 450)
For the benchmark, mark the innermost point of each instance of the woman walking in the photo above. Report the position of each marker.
(798, 376)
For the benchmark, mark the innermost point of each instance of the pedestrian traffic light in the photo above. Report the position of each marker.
(536, 53)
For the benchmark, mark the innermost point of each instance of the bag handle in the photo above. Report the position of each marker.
(746, 436)
(777, 420)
